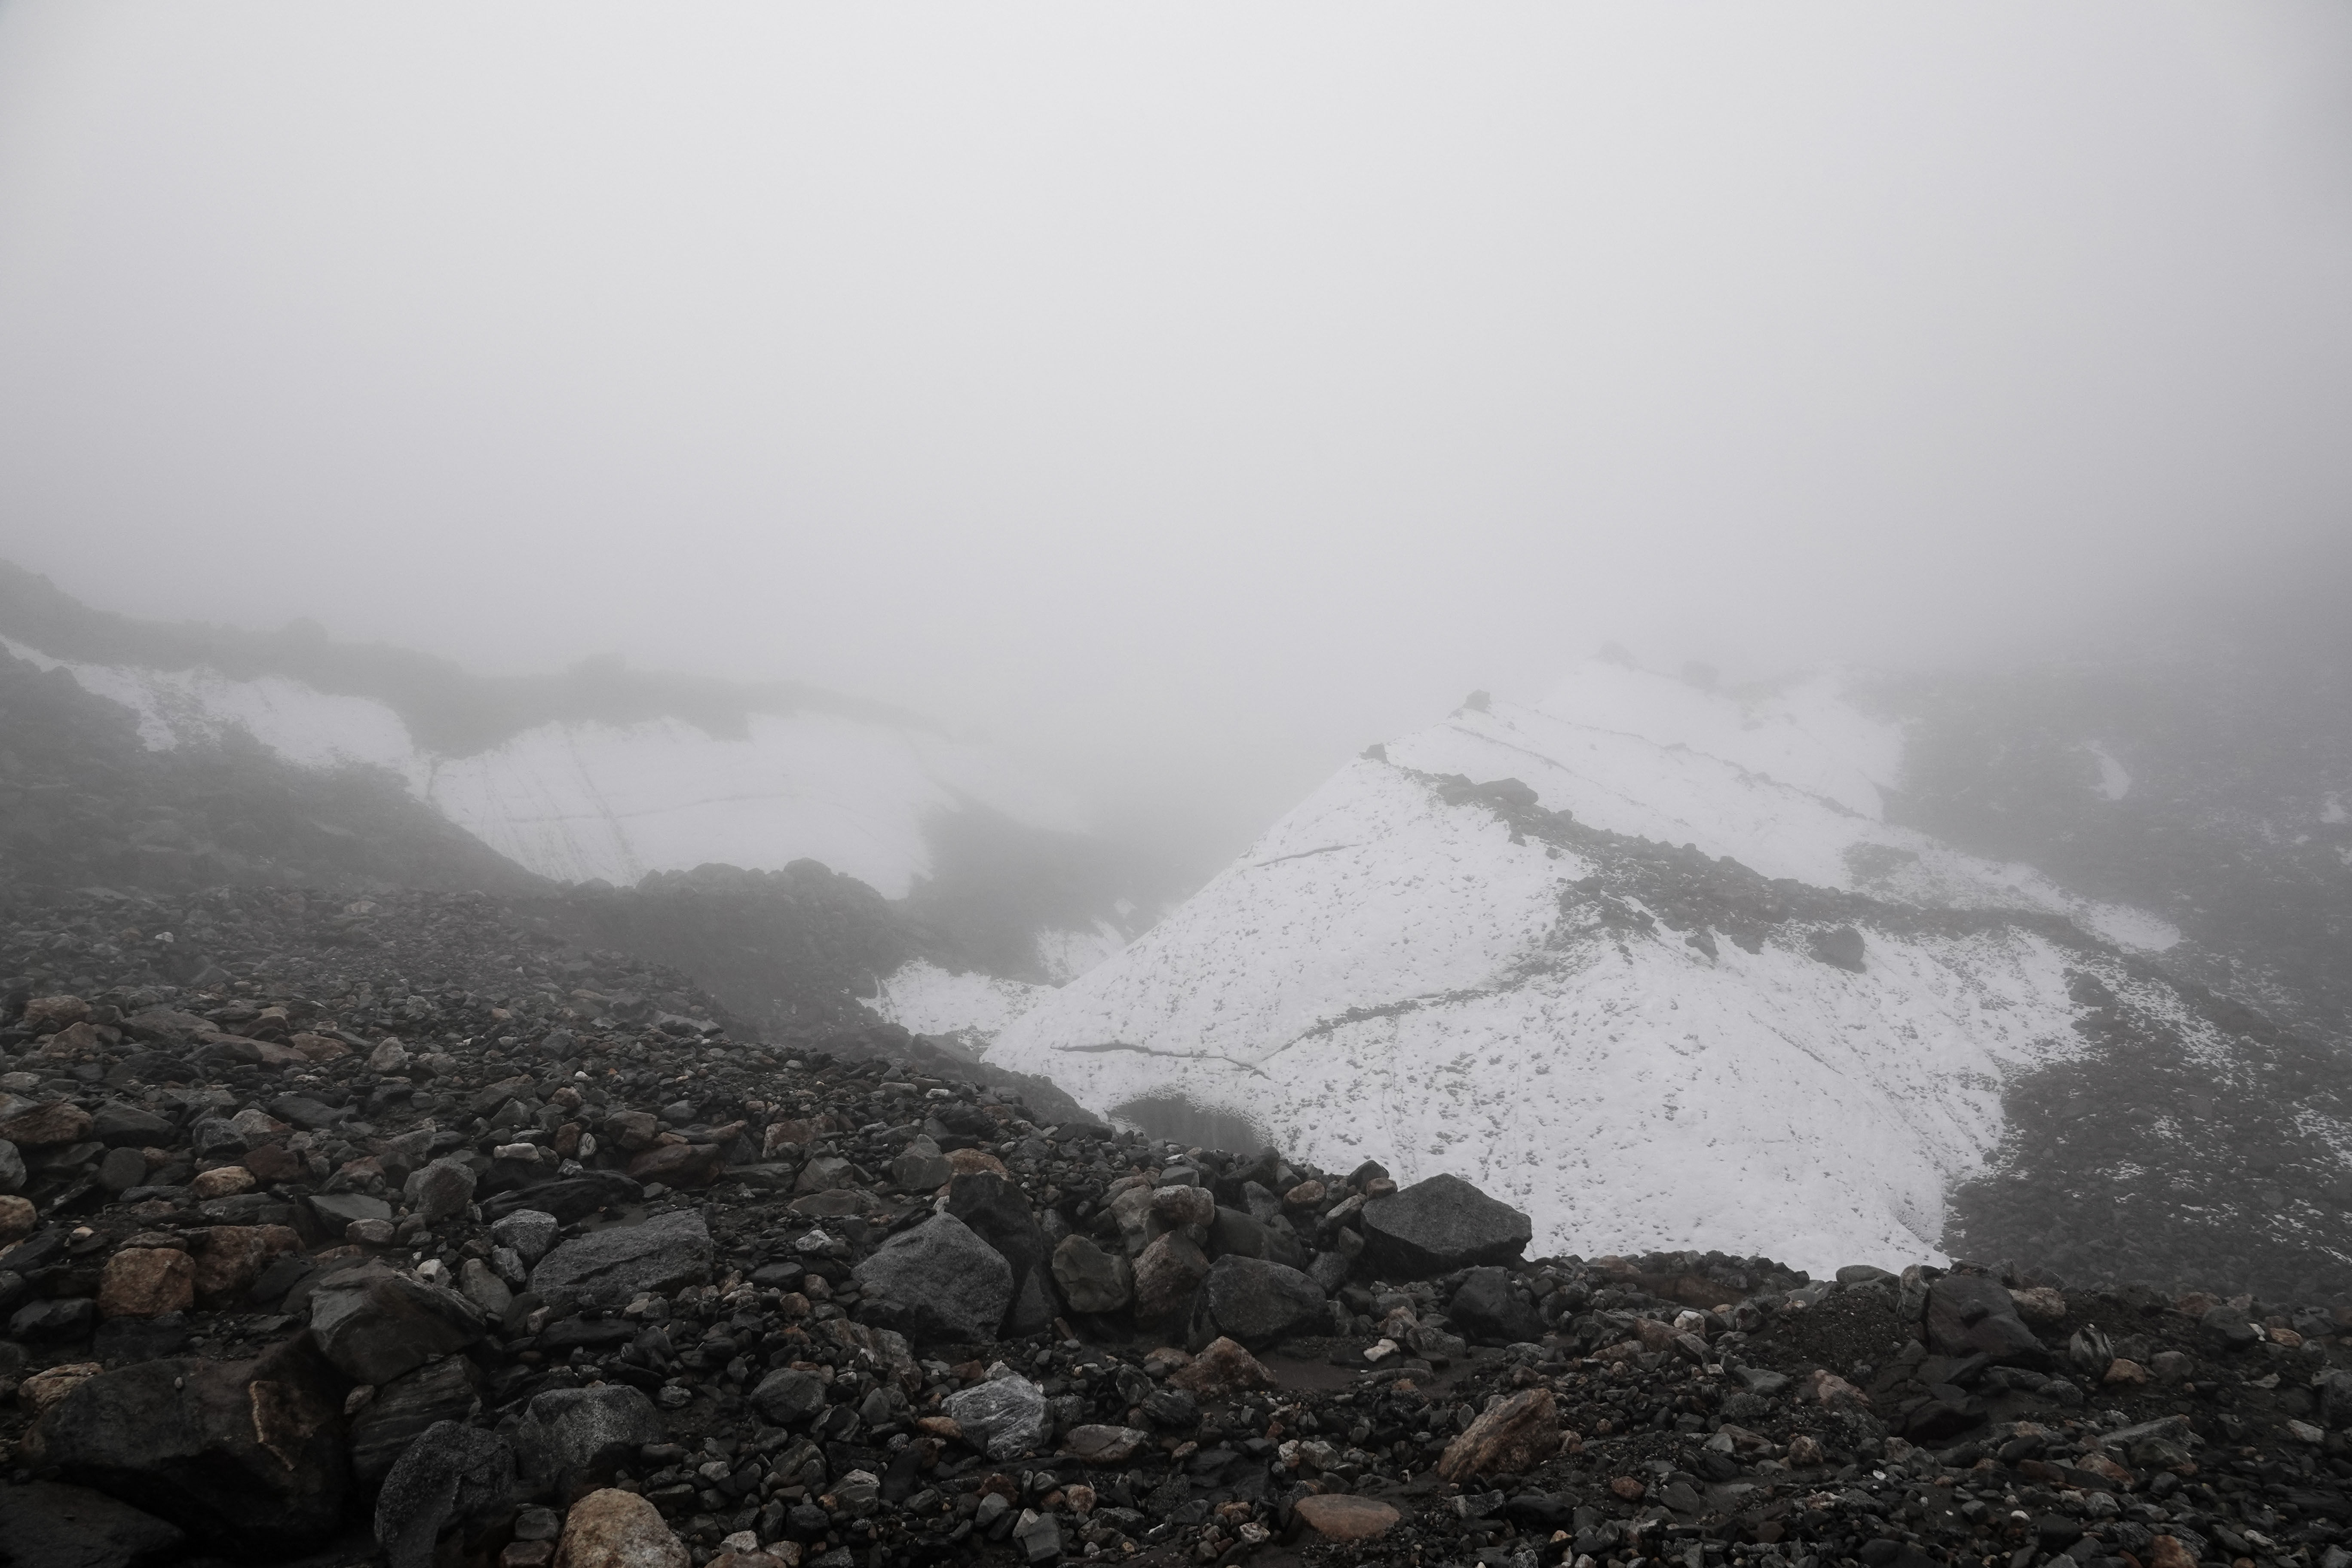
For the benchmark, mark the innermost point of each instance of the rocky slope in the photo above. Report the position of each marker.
(1671, 978)
(404, 1232)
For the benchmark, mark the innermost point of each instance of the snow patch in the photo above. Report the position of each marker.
(925, 999)
(582, 801)
(2114, 779)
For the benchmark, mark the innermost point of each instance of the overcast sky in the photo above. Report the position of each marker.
(1187, 394)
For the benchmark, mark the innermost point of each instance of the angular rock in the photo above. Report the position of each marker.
(1166, 1273)
(615, 1265)
(375, 1323)
(245, 1453)
(995, 1211)
(12, 1167)
(439, 1191)
(1005, 1417)
(452, 1480)
(679, 1165)
(1438, 1225)
(1487, 1310)
(449, 1389)
(920, 1166)
(117, 1124)
(572, 1439)
(787, 1397)
(1222, 1368)
(146, 1281)
(530, 1232)
(1091, 1279)
(1972, 1314)
(1255, 1302)
(54, 1126)
(484, 1288)
(937, 1281)
(614, 1529)
(338, 1210)
(1512, 1439)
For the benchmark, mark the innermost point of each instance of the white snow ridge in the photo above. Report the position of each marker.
(576, 801)
(1395, 972)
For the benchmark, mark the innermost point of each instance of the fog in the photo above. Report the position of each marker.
(1184, 395)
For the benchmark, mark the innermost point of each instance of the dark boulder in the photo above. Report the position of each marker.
(1972, 1314)
(247, 1454)
(787, 1397)
(1439, 1226)
(996, 1212)
(452, 1480)
(570, 1198)
(1488, 1309)
(937, 1281)
(615, 1265)
(376, 1323)
(1255, 1302)
(570, 1439)
(443, 1389)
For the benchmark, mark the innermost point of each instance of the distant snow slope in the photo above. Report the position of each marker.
(1396, 971)
(582, 801)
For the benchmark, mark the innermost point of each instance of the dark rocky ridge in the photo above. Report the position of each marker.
(696, 1342)
(2140, 1158)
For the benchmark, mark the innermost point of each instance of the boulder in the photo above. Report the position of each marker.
(1166, 1273)
(452, 1480)
(12, 1167)
(250, 1454)
(530, 1232)
(1255, 1302)
(375, 1323)
(680, 1164)
(1342, 1517)
(54, 1526)
(1488, 1310)
(995, 1211)
(54, 1126)
(1004, 1417)
(145, 1282)
(614, 1529)
(1098, 1445)
(438, 1191)
(615, 1265)
(1091, 1279)
(1224, 1368)
(937, 1281)
(1972, 1314)
(787, 1397)
(920, 1166)
(1438, 1225)
(570, 1439)
(449, 1389)
(1513, 1438)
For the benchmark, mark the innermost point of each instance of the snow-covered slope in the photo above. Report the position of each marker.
(1641, 1045)
(578, 800)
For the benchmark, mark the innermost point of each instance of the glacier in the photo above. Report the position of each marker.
(1397, 971)
(585, 801)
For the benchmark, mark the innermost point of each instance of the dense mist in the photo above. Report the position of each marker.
(1183, 396)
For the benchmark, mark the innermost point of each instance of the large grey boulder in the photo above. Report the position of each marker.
(937, 1281)
(1255, 1302)
(996, 1212)
(787, 1397)
(1439, 1226)
(572, 1439)
(615, 1265)
(1091, 1279)
(375, 1323)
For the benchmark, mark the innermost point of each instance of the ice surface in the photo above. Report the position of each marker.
(1387, 976)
